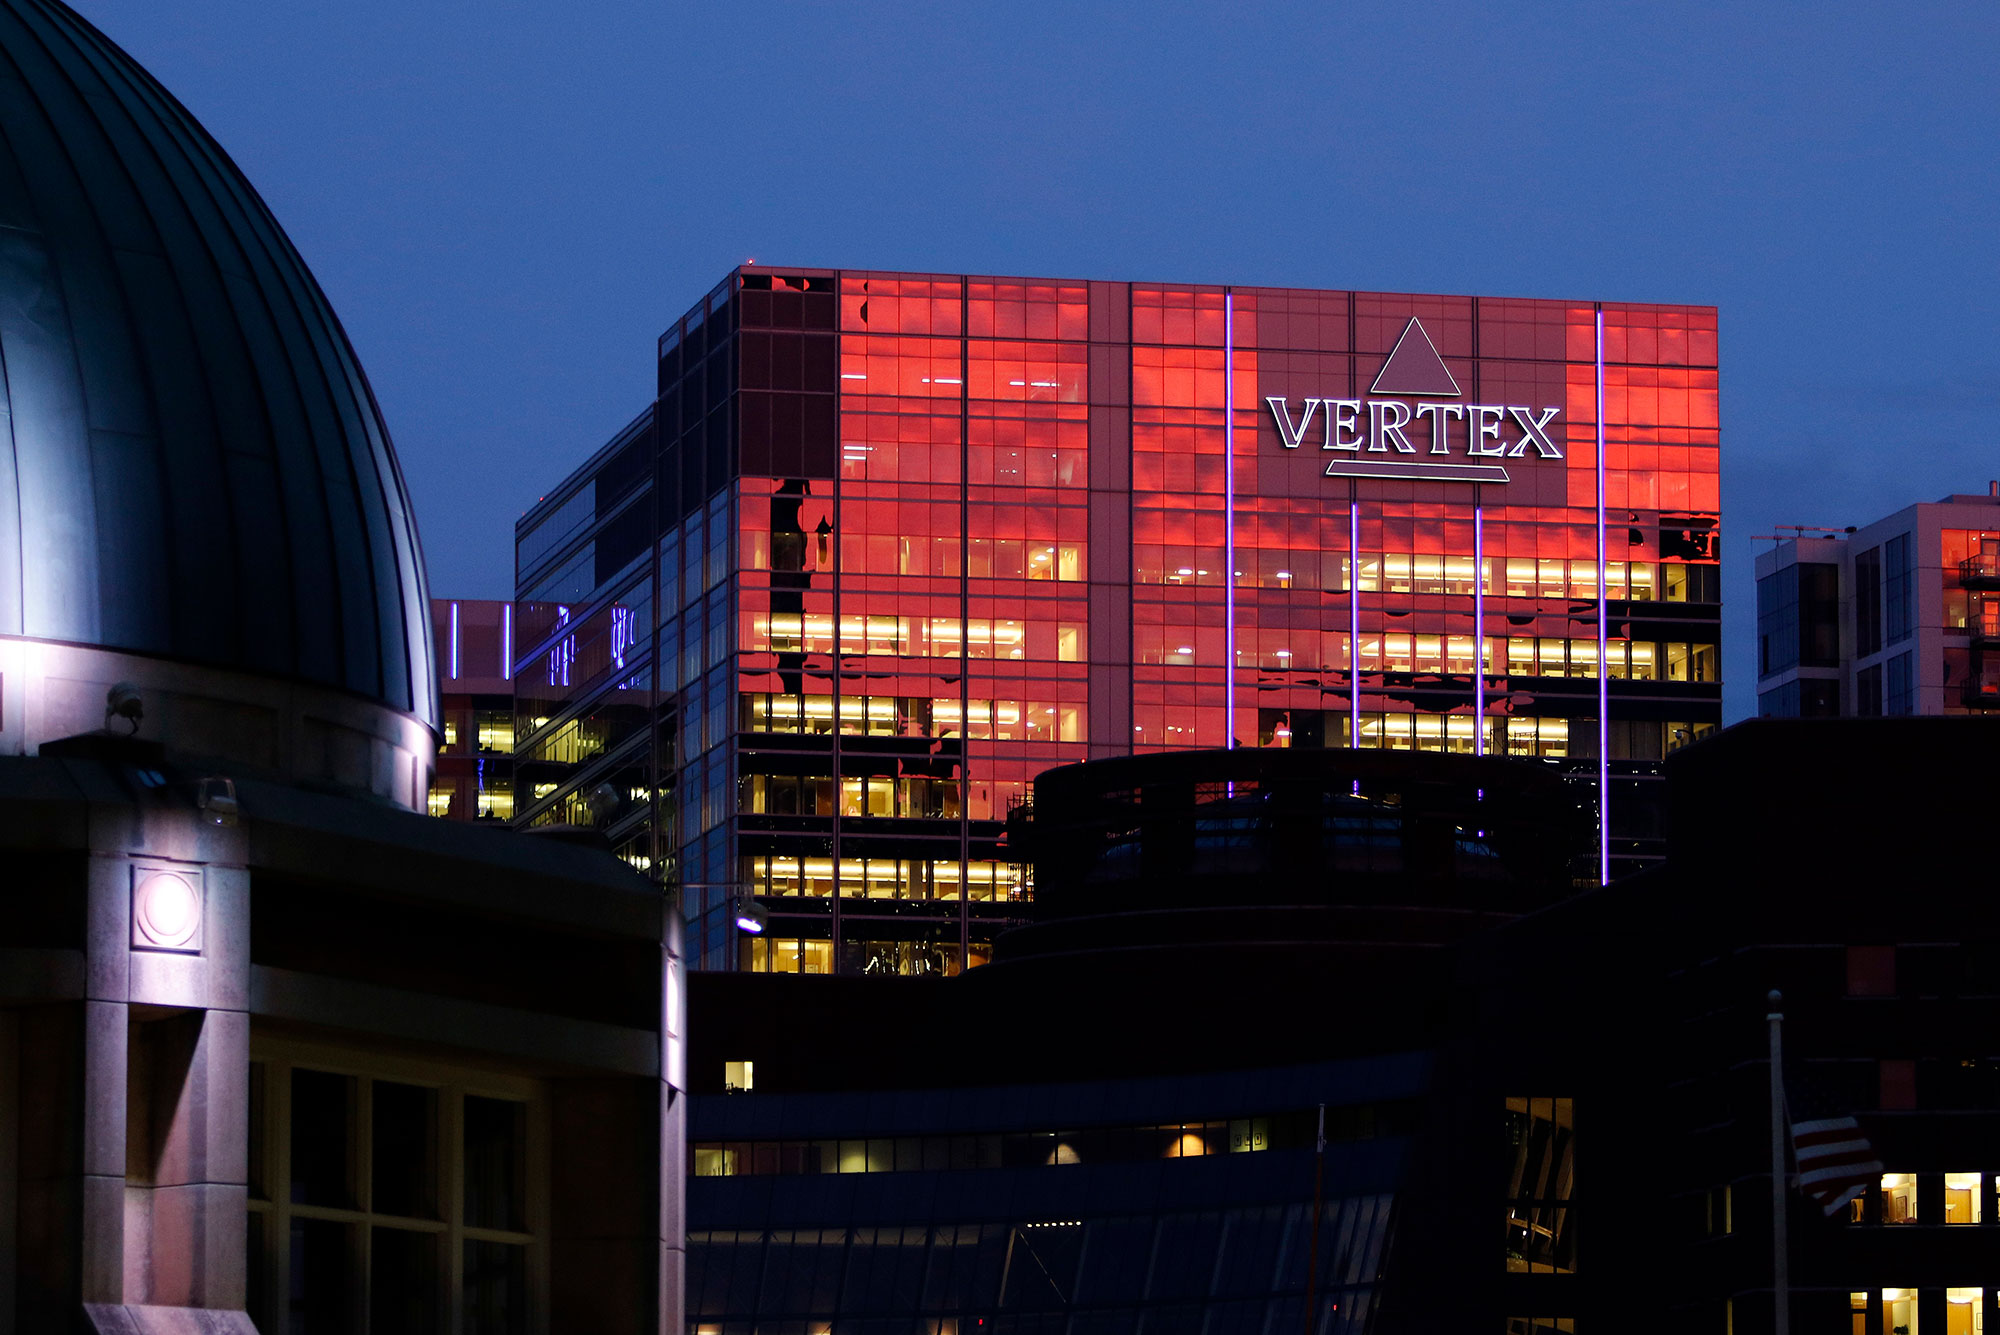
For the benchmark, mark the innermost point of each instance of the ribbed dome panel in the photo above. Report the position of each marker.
(191, 462)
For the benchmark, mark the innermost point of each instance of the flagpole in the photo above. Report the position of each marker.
(1781, 1279)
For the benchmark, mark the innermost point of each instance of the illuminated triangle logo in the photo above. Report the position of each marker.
(1414, 368)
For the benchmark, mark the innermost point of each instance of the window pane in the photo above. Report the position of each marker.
(324, 1279)
(405, 1158)
(495, 1162)
(496, 1288)
(403, 1289)
(322, 1138)
(260, 1189)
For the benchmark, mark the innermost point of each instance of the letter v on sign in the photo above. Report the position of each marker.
(1414, 368)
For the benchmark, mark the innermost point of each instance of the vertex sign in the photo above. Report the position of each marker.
(1370, 437)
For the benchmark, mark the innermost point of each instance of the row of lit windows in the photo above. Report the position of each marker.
(915, 636)
(1517, 656)
(1514, 735)
(493, 731)
(1519, 736)
(933, 1154)
(946, 557)
(880, 959)
(488, 803)
(914, 716)
(1964, 1312)
(978, 880)
(905, 796)
(1964, 1200)
(907, 462)
(1418, 572)
(1041, 1149)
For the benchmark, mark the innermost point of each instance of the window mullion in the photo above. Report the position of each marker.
(362, 1190)
(278, 1172)
(451, 1200)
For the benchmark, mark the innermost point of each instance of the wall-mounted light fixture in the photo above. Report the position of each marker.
(166, 909)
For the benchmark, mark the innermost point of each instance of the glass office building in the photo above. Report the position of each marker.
(884, 546)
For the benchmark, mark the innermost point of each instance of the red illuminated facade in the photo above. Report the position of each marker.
(914, 538)
(474, 778)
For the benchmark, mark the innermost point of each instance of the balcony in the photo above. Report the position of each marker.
(1980, 694)
(1980, 572)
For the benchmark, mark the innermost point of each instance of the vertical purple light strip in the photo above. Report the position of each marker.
(1603, 677)
(454, 641)
(1353, 618)
(1478, 625)
(1229, 519)
(507, 642)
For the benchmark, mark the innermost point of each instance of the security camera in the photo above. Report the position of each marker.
(122, 701)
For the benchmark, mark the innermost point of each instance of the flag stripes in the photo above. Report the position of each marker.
(1836, 1162)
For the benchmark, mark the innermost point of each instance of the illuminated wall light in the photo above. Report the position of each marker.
(852, 375)
(506, 641)
(454, 641)
(166, 911)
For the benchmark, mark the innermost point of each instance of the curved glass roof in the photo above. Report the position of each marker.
(192, 464)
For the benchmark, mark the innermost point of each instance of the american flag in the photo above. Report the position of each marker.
(1836, 1162)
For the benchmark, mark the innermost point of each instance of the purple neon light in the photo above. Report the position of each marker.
(1478, 625)
(1603, 677)
(506, 641)
(1229, 520)
(454, 641)
(1353, 619)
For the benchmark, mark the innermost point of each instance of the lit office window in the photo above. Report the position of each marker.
(1964, 1311)
(1857, 1306)
(1541, 1237)
(1721, 1210)
(1962, 1198)
(1899, 1311)
(1899, 1198)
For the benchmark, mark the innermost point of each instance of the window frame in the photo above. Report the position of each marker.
(278, 1057)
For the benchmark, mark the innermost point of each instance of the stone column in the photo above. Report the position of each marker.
(166, 1056)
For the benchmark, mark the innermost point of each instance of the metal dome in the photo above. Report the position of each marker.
(192, 465)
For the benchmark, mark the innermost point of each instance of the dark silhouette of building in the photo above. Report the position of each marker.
(1546, 1110)
(1114, 1121)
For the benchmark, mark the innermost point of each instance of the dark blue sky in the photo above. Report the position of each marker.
(507, 202)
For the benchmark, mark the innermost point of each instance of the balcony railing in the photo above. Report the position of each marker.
(1980, 572)
(1978, 694)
